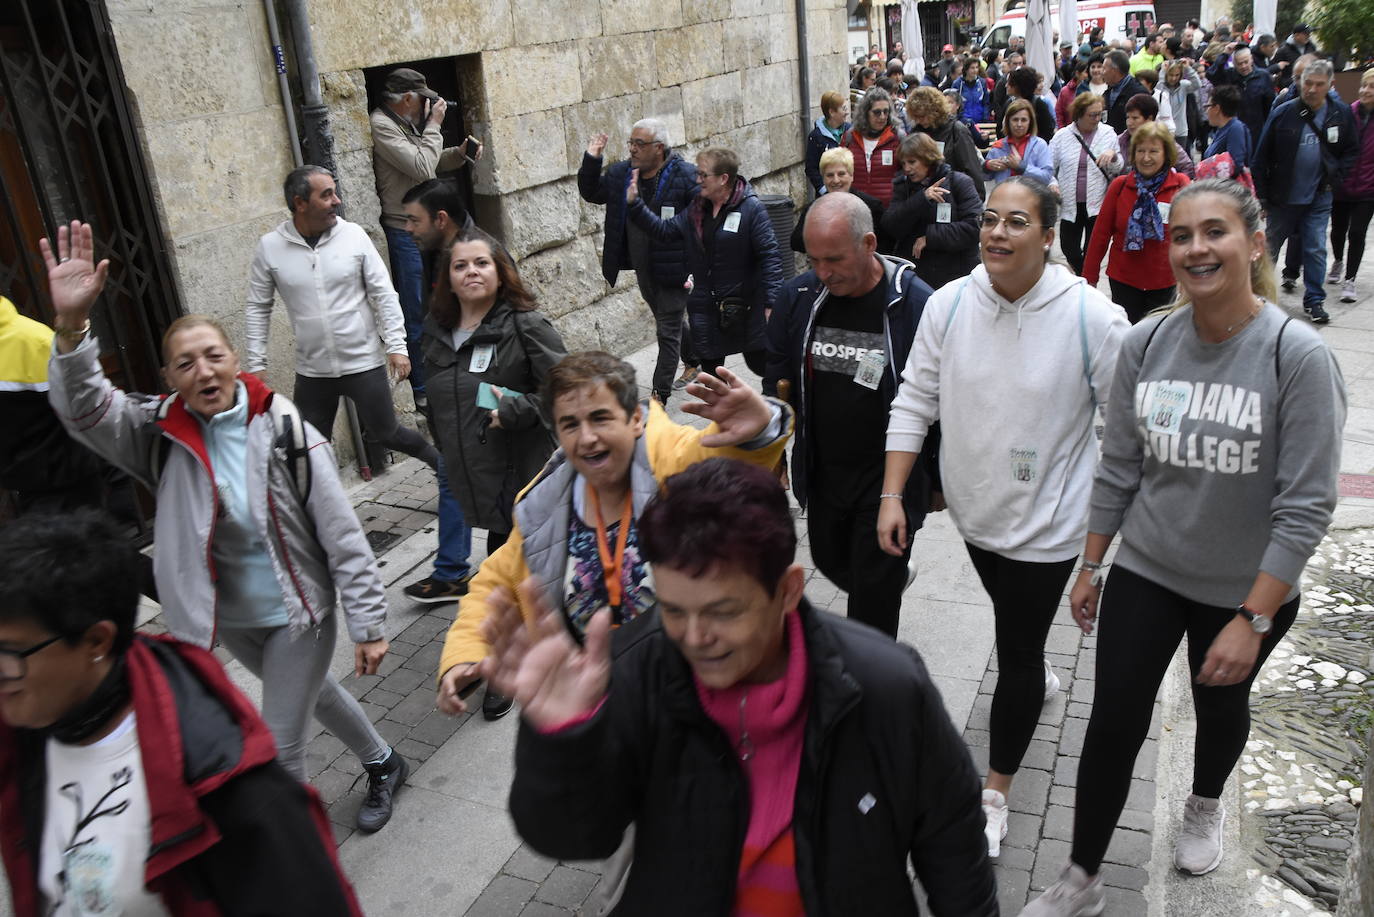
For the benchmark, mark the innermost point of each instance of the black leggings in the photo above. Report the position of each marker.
(1025, 596)
(1141, 626)
(318, 401)
(1139, 303)
(1073, 235)
(1350, 217)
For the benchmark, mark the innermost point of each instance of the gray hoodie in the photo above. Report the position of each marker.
(1219, 460)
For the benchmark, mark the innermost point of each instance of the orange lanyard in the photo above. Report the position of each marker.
(610, 566)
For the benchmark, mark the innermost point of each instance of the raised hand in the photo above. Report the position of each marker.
(936, 192)
(597, 145)
(539, 664)
(739, 412)
(632, 189)
(74, 280)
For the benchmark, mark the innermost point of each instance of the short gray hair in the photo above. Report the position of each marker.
(391, 98)
(297, 184)
(657, 130)
(1319, 67)
(842, 204)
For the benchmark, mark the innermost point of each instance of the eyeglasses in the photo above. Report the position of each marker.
(1016, 224)
(883, 112)
(13, 664)
(636, 144)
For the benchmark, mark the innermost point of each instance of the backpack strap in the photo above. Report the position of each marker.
(1278, 348)
(1083, 340)
(959, 295)
(290, 444)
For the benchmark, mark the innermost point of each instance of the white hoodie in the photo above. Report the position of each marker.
(1008, 382)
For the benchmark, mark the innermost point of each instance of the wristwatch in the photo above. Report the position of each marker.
(1258, 622)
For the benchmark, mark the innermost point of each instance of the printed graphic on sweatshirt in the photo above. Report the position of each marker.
(837, 350)
(1171, 415)
(90, 864)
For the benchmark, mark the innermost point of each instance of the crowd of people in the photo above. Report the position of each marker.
(685, 713)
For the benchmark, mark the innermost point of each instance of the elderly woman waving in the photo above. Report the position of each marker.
(732, 255)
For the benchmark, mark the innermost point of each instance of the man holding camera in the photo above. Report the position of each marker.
(408, 148)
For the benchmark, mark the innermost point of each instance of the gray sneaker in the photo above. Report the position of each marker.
(1337, 269)
(1076, 894)
(1348, 293)
(1198, 849)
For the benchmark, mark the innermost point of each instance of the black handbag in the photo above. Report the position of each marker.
(733, 314)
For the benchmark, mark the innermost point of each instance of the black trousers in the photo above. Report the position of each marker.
(756, 360)
(1074, 236)
(1350, 218)
(1139, 303)
(1025, 596)
(1141, 624)
(844, 545)
(370, 392)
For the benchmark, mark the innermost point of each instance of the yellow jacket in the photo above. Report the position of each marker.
(538, 544)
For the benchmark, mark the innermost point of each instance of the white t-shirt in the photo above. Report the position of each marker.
(96, 832)
(870, 144)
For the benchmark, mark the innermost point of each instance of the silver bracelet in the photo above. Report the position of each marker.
(889, 496)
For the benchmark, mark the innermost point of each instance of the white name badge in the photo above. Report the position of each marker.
(869, 372)
(1333, 134)
(732, 222)
(944, 212)
(669, 212)
(887, 157)
(1167, 407)
(1025, 465)
(481, 358)
(1163, 211)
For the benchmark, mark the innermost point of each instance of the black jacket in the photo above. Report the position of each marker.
(789, 342)
(1271, 161)
(1256, 91)
(1116, 112)
(875, 727)
(487, 466)
(959, 150)
(743, 261)
(676, 188)
(951, 248)
(1288, 53)
(817, 142)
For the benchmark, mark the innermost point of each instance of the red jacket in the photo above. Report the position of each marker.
(1147, 269)
(873, 175)
(232, 833)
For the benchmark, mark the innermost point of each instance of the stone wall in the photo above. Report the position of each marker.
(539, 79)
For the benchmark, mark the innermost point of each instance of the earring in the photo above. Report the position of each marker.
(97, 659)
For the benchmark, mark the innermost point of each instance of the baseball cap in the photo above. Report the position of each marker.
(1302, 27)
(403, 79)
(947, 48)
(1066, 44)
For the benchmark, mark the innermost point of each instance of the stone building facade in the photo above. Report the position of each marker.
(537, 77)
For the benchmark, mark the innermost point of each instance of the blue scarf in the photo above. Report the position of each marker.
(1145, 222)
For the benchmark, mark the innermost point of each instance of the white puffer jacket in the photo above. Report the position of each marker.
(1064, 151)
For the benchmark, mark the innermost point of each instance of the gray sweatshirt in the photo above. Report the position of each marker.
(1220, 466)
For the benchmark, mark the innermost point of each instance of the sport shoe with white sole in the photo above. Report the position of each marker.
(1198, 849)
(1348, 291)
(1076, 894)
(995, 811)
(1051, 682)
(1289, 284)
(1337, 269)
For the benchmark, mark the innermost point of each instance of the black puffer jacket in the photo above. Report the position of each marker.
(876, 730)
(740, 259)
(959, 150)
(487, 466)
(677, 185)
(951, 248)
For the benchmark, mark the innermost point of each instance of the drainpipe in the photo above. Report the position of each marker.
(803, 72)
(319, 141)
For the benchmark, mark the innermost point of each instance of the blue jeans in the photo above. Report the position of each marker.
(408, 276)
(1308, 222)
(455, 538)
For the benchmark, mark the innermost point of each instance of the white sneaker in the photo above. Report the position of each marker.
(1076, 894)
(995, 811)
(1337, 269)
(1198, 850)
(910, 571)
(1348, 291)
(1051, 682)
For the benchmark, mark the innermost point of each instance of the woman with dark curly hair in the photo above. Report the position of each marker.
(929, 114)
(487, 350)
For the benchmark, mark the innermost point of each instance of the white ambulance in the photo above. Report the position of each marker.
(1116, 18)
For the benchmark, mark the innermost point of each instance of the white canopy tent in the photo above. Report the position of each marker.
(915, 52)
(1266, 14)
(1040, 48)
(1068, 23)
